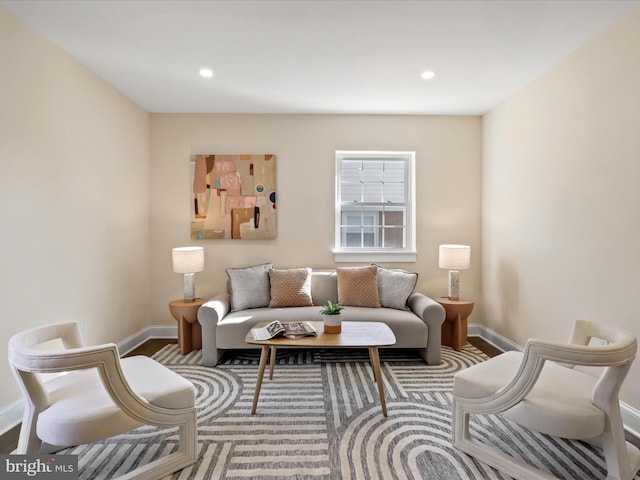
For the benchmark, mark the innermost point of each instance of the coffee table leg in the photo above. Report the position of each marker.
(377, 374)
(272, 361)
(373, 367)
(263, 364)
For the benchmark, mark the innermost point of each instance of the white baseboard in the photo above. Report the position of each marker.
(10, 416)
(631, 419)
(154, 331)
(495, 339)
(630, 415)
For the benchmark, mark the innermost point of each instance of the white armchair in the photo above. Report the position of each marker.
(531, 389)
(101, 396)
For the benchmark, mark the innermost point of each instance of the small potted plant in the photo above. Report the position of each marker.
(332, 319)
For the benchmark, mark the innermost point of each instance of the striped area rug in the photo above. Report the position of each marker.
(320, 419)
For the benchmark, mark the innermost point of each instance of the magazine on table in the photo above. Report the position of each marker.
(289, 330)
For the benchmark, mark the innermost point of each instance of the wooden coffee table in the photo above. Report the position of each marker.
(369, 335)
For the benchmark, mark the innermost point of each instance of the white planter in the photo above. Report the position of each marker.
(332, 323)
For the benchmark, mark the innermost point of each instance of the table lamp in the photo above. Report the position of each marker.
(454, 258)
(188, 260)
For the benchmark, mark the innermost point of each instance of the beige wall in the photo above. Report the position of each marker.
(557, 165)
(448, 191)
(561, 202)
(74, 192)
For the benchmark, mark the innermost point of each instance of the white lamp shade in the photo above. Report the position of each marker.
(455, 257)
(188, 259)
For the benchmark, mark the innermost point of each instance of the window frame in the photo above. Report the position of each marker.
(407, 253)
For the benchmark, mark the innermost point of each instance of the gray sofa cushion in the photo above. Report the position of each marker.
(324, 286)
(410, 331)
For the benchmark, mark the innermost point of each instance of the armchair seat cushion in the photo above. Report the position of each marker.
(563, 412)
(157, 384)
(82, 411)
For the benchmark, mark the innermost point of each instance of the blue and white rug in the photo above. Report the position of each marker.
(320, 418)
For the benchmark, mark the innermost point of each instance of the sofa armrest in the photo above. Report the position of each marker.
(433, 314)
(209, 314)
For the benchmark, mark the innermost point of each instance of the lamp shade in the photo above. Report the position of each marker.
(188, 259)
(454, 257)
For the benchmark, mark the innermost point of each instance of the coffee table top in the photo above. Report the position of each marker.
(353, 335)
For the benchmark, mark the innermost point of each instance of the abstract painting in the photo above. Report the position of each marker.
(234, 197)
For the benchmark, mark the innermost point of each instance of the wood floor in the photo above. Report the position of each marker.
(484, 346)
(150, 347)
(9, 440)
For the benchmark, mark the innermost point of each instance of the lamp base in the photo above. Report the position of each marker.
(454, 285)
(189, 287)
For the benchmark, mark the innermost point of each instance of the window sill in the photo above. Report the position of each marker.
(374, 256)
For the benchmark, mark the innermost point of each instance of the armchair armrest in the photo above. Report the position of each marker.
(105, 358)
(209, 315)
(536, 353)
(433, 315)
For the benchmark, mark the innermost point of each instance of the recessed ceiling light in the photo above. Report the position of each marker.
(428, 75)
(206, 73)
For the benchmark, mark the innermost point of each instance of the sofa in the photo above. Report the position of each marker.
(370, 293)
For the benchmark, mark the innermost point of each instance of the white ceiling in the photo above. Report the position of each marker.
(362, 57)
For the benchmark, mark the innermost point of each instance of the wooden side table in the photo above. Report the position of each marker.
(454, 328)
(189, 331)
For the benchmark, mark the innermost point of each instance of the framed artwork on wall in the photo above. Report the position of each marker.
(233, 197)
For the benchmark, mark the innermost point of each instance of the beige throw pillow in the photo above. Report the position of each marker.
(358, 286)
(290, 287)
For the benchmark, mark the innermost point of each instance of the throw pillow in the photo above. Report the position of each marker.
(249, 286)
(395, 286)
(358, 286)
(290, 287)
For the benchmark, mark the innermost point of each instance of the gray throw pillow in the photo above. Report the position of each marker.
(395, 286)
(250, 286)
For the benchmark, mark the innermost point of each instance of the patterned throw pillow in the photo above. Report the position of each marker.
(358, 286)
(395, 286)
(290, 287)
(249, 286)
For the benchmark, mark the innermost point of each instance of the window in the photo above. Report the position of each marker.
(375, 214)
